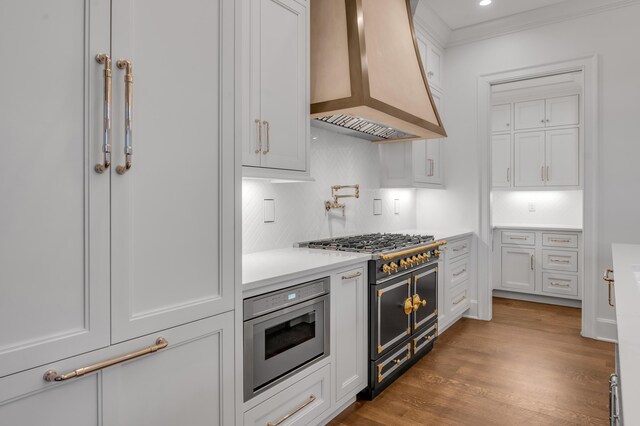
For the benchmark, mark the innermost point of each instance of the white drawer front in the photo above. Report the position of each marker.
(560, 260)
(457, 272)
(519, 237)
(559, 284)
(458, 248)
(560, 240)
(297, 405)
(458, 300)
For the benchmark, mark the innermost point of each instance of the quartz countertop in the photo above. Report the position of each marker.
(539, 227)
(272, 266)
(626, 266)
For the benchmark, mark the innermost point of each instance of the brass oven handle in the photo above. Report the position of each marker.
(352, 276)
(259, 129)
(128, 114)
(408, 306)
(103, 58)
(417, 302)
(267, 128)
(53, 376)
(299, 408)
(610, 281)
(411, 251)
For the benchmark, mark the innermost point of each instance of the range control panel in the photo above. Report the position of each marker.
(265, 303)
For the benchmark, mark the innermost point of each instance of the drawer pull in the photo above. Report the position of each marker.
(517, 238)
(610, 282)
(52, 376)
(352, 276)
(301, 407)
(460, 248)
(556, 284)
(560, 260)
(460, 273)
(557, 240)
(464, 296)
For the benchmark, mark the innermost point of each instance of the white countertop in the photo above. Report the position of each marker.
(439, 234)
(626, 266)
(272, 266)
(539, 227)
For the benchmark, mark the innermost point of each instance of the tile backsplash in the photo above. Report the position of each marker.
(560, 208)
(336, 159)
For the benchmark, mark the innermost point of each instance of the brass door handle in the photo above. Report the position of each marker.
(417, 302)
(352, 276)
(408, 306)
(259, 130)
(298, 409)
(103, 58)
(53, 376)
(128, 114)
(532, 261)
(267, 128)
(610, 281)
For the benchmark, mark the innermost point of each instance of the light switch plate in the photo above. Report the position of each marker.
(396, 206)
(269, 210)
(377, 207)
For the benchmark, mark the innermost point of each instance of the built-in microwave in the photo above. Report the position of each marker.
(284, 331)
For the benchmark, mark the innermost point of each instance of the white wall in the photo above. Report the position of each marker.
(552, 208)
(613, 35)
(300, 216)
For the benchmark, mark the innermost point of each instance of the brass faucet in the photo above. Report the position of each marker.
(335, 204)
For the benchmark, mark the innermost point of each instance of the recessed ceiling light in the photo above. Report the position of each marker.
(485, 2)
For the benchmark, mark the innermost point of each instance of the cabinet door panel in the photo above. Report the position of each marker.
(501, 118)
(190, 382)
(434, 65)
(562, 111)
(501, 160)
(529, 159)
(529, 115)
(284, 105)
(349, 304)
(54, 243)
(518, 269)
(425, 286)
(562, 157)
(434, 157)
(421, 163)
(169, 266)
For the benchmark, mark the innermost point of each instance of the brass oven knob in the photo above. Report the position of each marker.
(393, 267)
(421, 258)
(415, 259)
(386, 269)
(437, 253)
(403, 263)
(427, 255)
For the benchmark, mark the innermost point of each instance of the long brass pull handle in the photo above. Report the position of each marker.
(267, 128)
(556, 284)
(298, 409)
(517, 238)
(560, 261)
(532, 260)
(259, 130)
(128, 114)
(460, 273)
(555, 240)
(508, 174)
(548, 178)
(412, 251)
(53, 376)
(610, 282)
(464, 296)
(542, 173)
(352, 276)
(103, 58)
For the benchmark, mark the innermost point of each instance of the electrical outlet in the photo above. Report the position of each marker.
(269, 210)
(377, 207)
(532, 207)
(396, 206)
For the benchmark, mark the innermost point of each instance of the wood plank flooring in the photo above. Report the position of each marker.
(528, 366)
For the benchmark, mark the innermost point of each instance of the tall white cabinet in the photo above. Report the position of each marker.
(98, 262)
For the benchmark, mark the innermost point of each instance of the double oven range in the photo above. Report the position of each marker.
(403, 300)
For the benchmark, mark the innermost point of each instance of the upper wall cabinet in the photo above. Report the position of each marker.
(551, 112)
(501, 118)
(276, 89)
(432, 60)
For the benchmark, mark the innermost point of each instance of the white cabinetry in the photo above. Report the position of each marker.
(551, 112)
(276, 119)
(540, 262)
(456, 272)
(432, 59)
(529, 159)
(501, 160)
(501, 118)
(92, 258)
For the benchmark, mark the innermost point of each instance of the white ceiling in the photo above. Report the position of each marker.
(463, 13)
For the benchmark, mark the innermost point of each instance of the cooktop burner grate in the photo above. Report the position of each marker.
(371, 243)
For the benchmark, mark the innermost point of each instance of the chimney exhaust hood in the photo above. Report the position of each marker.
(367, 78)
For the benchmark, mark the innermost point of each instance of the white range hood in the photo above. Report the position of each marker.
(367, 78)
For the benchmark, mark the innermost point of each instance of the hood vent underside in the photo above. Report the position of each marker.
(363, 128)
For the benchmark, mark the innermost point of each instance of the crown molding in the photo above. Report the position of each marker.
(429, 22)
(559, 12)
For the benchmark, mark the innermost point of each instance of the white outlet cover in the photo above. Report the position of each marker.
(377, 207)
(396, 206)
(532, 207)
(269, 210)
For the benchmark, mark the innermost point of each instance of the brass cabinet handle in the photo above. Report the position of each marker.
(128, 114)
(431, 166)
(517, 238)
(103, 58)
(548, 178)
(464, 296)
(610, 281)
(298, 409)
(557, 284)
(542, 173)
(460, 273)
(460, 248)
(259, 130)
(559, 260)
(267, 128)
(508, 174)
(352, 276)
(53, 376)
(532, 260)
(556, 240)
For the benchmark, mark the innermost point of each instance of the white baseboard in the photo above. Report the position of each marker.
(538, 299)
(472, 312)
(606, 330)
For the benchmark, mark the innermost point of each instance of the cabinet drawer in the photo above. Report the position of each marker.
(518, 237)
(423, 340)
(560, 260)
(458, 248)
(458, 299)
(297, 405)
(560, 240)
(392, 362)
(457, 272)
(559, 284)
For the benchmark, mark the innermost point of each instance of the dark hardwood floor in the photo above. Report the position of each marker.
(528, 366)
